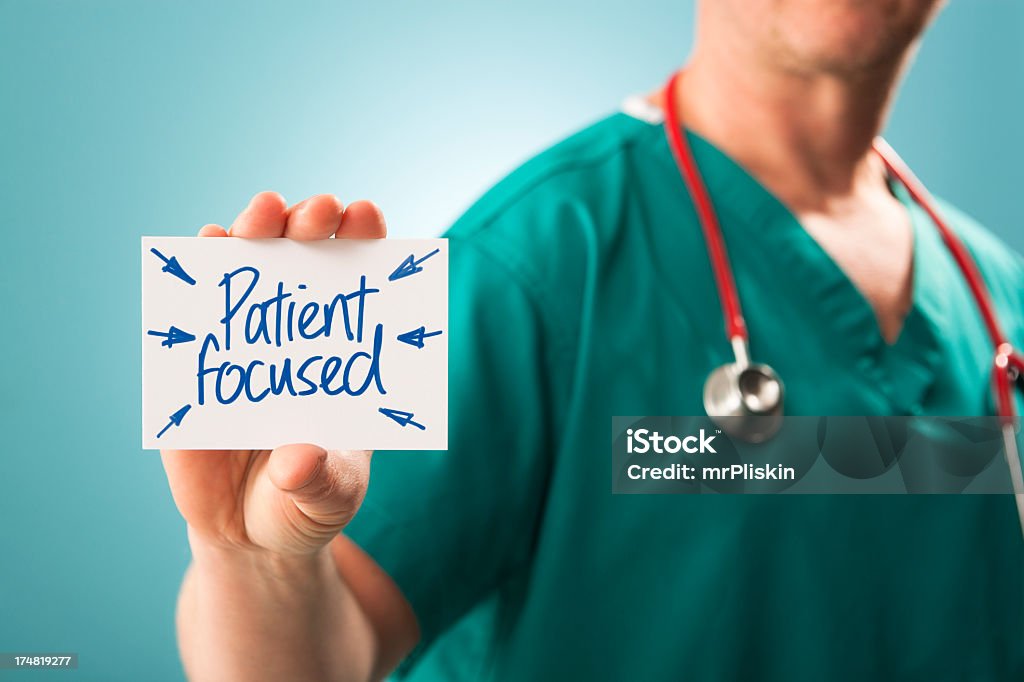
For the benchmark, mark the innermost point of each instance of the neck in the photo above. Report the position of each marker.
(806, 136)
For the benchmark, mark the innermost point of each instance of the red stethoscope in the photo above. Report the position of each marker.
(745, 398)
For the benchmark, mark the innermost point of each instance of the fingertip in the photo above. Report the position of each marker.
(327, 203)
(362, 220)
(265, 216)
(268, 200)
(318, 217)
(212, 230)
(291, 467)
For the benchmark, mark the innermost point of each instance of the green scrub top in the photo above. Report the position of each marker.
(581, 289)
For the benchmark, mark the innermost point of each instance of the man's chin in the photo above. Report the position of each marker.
(850, 60)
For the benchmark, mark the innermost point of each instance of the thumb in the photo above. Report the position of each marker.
(327, 486)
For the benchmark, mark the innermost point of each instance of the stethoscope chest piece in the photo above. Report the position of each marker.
(745, 400)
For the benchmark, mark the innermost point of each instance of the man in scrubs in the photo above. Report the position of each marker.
(581, 289)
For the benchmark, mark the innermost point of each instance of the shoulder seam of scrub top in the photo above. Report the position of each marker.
(472, 225)
(538, 178)
(639, 108)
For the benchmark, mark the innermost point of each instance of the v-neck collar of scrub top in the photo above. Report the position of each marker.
(903, 370)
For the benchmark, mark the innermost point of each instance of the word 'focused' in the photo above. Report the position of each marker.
(282, 319)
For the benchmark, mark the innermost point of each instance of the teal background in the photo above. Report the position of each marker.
(119, 119)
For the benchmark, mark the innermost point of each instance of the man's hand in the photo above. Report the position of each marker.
(266, 598)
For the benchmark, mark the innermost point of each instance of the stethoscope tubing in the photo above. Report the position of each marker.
(1007, 363)
(735, 323)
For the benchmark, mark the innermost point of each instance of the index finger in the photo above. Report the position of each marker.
(362, 220)
(318, 217)
(265, 216)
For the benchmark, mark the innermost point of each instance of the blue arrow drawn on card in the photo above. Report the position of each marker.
(403, 418)
(410, 266)
(175, 419)
(173, 336)
(172, 266)
(416, 336)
